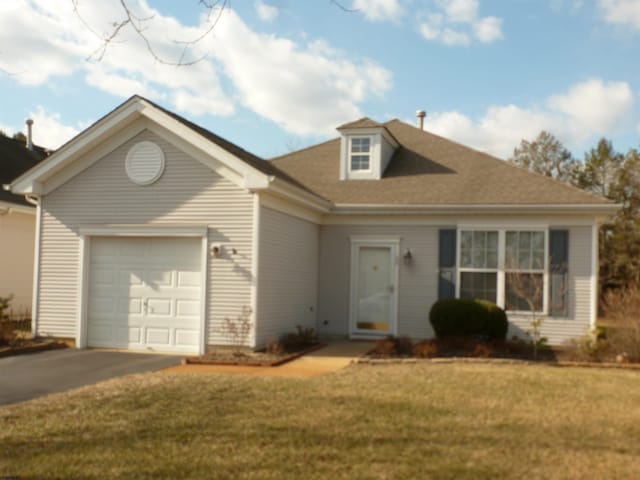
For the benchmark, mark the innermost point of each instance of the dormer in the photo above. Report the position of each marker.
(365, 150)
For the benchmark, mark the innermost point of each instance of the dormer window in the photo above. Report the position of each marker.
(360, 153)
(366, 148)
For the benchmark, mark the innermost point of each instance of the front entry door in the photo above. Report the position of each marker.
(374, 288)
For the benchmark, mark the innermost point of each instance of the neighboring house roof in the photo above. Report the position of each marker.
(429, 170)
(15, 159)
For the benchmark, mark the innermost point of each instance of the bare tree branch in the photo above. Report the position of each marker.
(343, 8)
(140, 25)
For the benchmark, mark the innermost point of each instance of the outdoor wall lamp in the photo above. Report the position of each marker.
(407, 257)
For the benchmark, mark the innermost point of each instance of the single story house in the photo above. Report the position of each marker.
(155, 234)
(17, 225)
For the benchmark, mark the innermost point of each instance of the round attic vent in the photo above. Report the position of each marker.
(145, 163)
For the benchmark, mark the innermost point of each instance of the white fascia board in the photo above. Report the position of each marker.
(14, 207)
(290, 192)
(227, 158)
(563, 209)
(31, 181)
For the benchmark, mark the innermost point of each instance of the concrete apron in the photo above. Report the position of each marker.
(331, 358)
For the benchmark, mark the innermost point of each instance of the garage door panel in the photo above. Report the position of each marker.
(130, 305)
(187, 308)
(159, 307)
(145, 293)
(186, 337)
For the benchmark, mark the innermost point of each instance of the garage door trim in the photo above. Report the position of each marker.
(87, 232)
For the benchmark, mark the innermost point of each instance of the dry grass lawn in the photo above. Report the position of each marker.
(451, 421)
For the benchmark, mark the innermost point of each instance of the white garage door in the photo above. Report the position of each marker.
(144, 294)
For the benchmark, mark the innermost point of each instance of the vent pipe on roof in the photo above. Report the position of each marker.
(421, 114)
(29, 123)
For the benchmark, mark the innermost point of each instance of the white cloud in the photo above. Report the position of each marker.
(48, 129)
(278, 78)
(379, 10)
(621, 12)
(290, 83)
(266, 12)
(488, 29)
(588, 109)
(457, 22)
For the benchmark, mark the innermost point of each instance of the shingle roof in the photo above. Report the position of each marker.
(15, 159)
(364, 122)
(429, 170)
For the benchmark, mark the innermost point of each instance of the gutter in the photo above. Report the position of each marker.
(487, 209)
(36, 266)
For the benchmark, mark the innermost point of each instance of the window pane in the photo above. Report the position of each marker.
(466, 240)
(524, 242)
(479, 249)
(478, 258)
(359, 162)
(523, 289)
(537, 240)
(465, 259)
(479, 240)
(478, 285)
(360, 145)
(492, 259)
(538, 259)
(524, 260)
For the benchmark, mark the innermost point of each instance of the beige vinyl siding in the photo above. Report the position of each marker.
(17, 240)
(287, 274)
(188, 193)
(418, 287)
(577, 324)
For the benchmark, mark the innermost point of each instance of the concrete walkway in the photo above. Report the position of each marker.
(331, 358)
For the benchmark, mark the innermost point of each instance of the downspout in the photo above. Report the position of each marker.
(36, 266)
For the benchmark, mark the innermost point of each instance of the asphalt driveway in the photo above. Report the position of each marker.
(24, 377)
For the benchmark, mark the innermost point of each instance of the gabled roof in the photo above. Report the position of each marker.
(427, 169)
(15, 159)
(254, 172)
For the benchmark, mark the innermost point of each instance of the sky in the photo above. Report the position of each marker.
(277, 75)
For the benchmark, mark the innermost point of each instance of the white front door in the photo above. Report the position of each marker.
(144, 293)
(374, 274)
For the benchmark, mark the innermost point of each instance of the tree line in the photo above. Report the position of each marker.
(603, 171)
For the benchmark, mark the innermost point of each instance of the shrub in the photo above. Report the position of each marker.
(425, 349)
(467, 317)
(622, 313)
(298, 340)
(590, 348)
(393, 346)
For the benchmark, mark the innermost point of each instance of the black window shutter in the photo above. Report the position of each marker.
(558, 273)
(447, 264)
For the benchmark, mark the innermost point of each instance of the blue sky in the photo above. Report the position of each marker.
(278, 75)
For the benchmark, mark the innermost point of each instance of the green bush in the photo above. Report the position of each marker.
(465, 317)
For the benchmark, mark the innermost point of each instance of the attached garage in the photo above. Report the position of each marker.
(144, 293)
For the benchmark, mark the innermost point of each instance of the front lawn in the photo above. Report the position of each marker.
(453, 421)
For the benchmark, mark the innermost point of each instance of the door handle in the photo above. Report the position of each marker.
(390, 289)
(145, 304)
